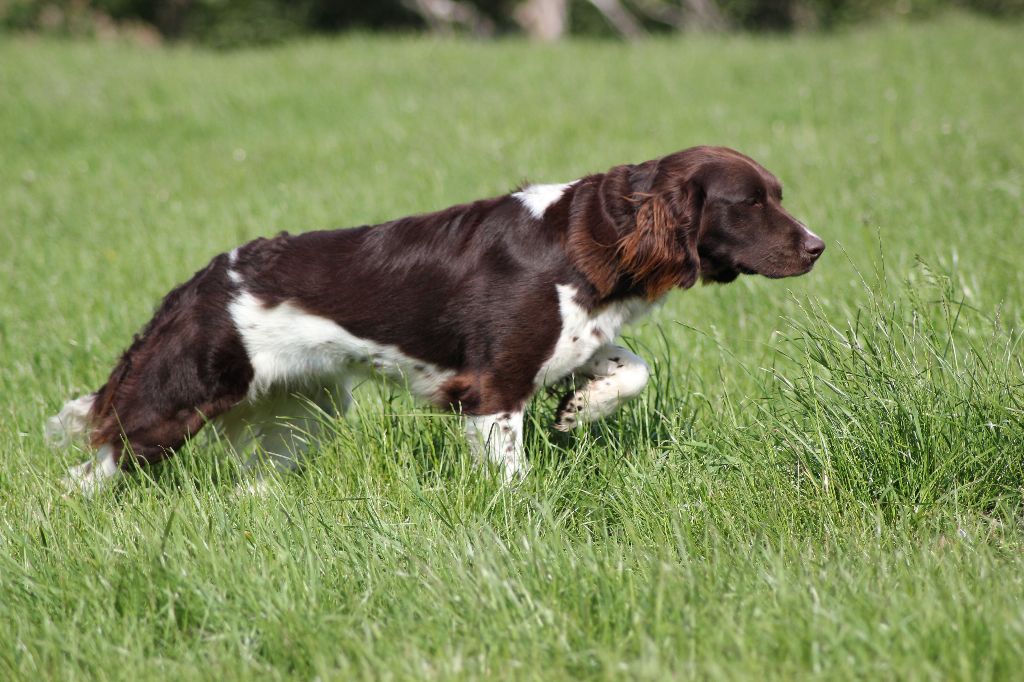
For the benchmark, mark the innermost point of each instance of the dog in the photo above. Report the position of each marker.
(473, 308)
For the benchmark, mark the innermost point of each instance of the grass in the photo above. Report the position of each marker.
(824, 482)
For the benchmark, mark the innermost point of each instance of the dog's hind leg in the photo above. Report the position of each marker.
(283, 425)
(146, 436)
(296, 424)
(187, 366)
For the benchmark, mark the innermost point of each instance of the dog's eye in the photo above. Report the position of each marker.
(752, 201)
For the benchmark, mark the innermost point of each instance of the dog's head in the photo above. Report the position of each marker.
(706, 212)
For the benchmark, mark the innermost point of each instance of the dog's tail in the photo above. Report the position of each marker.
(72, 424)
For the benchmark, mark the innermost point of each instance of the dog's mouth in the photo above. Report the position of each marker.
(778, 271)
(795, 271)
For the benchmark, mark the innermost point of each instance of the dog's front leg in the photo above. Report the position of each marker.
(614, 376)
(498, 438)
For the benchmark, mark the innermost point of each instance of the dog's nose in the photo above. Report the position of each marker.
(814, 246)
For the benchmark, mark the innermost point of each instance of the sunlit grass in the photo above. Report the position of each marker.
(823, 480)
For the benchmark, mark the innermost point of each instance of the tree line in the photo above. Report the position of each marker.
(228, 23)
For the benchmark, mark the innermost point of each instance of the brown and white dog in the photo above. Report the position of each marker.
(474, 308)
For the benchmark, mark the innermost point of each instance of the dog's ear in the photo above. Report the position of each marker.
(600, 215)
(660, 253)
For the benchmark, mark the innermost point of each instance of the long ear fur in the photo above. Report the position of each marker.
(600, 214)
(661, 252)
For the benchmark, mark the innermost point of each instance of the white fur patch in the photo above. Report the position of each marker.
(584, 332)
(232, 273)
(537, 198)
(70, 424)
(289, 347)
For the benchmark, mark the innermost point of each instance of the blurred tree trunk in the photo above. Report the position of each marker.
(704, 14)
(543, 19)
(548, 20)
(442, 15)
(694, 14)
(620, 18)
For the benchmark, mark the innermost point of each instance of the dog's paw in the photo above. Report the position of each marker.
(567, 416)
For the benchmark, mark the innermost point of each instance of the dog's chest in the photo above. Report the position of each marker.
(583, 332)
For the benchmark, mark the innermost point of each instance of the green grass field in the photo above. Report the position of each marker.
(823, 481)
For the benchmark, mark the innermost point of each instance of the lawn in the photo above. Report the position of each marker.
(824, 479)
